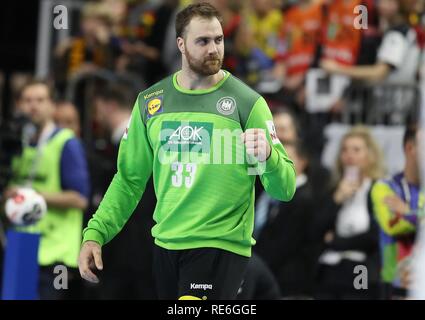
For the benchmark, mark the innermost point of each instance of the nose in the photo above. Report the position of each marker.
(32, 106)
(351, 159)
(212, 48)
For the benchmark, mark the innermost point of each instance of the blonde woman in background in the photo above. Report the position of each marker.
(346, 225)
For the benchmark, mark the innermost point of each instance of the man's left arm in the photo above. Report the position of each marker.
(277, 171)
(74, 179)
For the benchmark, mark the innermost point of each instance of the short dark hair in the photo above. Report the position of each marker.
(120, 94)
(410, 133)
(203, 10)
(36, 82)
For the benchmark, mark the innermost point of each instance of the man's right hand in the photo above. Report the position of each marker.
(90, 260)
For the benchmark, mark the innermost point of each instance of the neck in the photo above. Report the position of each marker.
(410, 174)
(188, 79)
(90, 41)
(40, 128)
(396, 20)
(43, 126)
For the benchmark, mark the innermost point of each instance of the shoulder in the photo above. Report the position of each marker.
(73, 142)
(73, 148)
(242, 90)
(399, 36)
(246, 97)
(402, 29)
(62, 135)
(381, 187)
(156, 91)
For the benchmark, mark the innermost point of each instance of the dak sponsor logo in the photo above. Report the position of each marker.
(226, 105)
(272, 131)
(188, 134)
(154, 106)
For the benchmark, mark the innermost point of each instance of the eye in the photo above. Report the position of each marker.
(218, 40)
(202, 42)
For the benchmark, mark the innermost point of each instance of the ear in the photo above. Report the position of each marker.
(408, 146)
(180, 45)
(52, 107)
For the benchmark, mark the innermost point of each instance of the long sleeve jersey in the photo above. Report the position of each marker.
(189, 140)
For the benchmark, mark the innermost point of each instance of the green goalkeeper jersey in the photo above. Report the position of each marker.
(204, 182)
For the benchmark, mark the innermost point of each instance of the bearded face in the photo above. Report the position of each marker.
(203, 46)
(205, 66)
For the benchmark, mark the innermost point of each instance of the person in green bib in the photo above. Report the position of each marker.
(53, 164)
(193, 132)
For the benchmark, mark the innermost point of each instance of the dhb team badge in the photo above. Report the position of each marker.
(226, 105)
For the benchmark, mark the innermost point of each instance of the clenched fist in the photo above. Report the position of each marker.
(90, 259)
(256, 144)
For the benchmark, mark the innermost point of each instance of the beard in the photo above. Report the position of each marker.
(206, 66)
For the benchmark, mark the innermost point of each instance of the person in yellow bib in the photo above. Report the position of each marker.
(53, 164)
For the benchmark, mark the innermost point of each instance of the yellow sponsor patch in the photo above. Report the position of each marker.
(154, 106)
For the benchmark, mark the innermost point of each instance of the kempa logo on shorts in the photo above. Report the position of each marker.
(226, 105)
(201, 286)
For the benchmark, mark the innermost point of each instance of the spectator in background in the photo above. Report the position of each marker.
(287, 130)
(257, 42)
(20, 108)
(118, 12)
(417, 20)
(286, 241)
(396, 203)
(313, 30)
(299, 40)
(149, 25)
(123, 278)
(398, 54)
(113, 110)
(371, 36)
(346, 222)
(286, 124)
(61, 177)
(96, 46)
(67, 116)
(341, 41)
